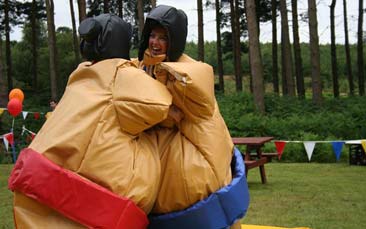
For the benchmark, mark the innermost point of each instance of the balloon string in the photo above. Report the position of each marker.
(12, 125)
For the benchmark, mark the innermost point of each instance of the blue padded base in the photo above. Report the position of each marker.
(219, 210)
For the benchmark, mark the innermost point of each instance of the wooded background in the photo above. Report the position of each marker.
(291, 91)
(42, 60)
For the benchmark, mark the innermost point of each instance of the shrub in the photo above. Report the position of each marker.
(293, 119)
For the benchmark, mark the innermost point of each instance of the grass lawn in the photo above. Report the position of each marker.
(6, 198)
(309, 195)
(297, 194)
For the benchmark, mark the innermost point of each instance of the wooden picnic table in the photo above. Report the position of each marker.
(253, 155)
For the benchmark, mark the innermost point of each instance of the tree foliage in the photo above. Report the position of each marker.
(263, 12)
(14, 13)
(130, 14)
(22, 54)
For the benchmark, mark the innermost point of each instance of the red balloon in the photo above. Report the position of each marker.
(15, 107)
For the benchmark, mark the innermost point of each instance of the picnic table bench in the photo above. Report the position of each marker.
(253, 155)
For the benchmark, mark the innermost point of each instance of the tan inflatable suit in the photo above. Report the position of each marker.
(196, 153)
(97, 132)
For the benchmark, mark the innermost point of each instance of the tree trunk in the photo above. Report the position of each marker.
(120, 8)
(238, 48)
(201, 44)
(361, 78)
(3, 89)
(82, 10)
(140, 12)
(220, 68)
(348, 53)
(34, 47)
(9, 64)
(333, 51)
(233, 43)
(283, 65)
(234, 35)
(286, 47)
(258, 16)
(105, 6)
(297, 51)
(153, 4)
(255, 56)
(276, 88)
(314, 56)
(74, 35)
(52, 47)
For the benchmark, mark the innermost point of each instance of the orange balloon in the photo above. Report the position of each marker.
(16, 93)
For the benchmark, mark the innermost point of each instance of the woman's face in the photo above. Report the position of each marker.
(158, 41)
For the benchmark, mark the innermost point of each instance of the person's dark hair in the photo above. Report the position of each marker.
(174, 21)
(105, 36)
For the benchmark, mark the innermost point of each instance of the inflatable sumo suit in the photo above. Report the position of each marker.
(196, 154)
(92, 164)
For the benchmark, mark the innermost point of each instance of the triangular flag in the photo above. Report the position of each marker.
(280, 146)
(6, 143)
(1, 111)
(363, 143)
(24, 113)
(309, 147)
(33, 135)
(28, 139)
(337, 148)
(36, 115)
(10, 138)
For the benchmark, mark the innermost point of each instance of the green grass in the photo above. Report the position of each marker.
(309, 195)
(6, 198)
(319, 196)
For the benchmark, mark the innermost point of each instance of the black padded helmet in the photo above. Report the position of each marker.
(174, 21)
(105, 36)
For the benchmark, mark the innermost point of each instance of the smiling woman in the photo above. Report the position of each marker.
(158, 41)
(195, 147)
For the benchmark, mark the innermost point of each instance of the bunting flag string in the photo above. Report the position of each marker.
(280, 146)
(363, 143)
(25, 113)
(36, 114)
(8, 139)
(345, 141)
(6, 143)
(337, 148)
(25, 129)
(309, 146)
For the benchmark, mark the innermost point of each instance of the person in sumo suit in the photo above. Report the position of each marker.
(203, 184)
(94, 163)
